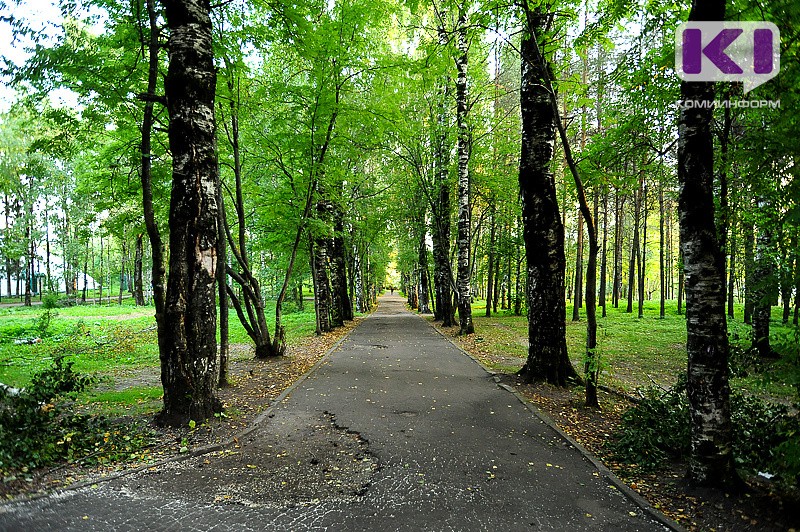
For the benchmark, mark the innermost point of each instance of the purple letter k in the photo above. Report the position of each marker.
(715, 51)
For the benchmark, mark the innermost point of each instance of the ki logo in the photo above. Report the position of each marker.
(728, 51)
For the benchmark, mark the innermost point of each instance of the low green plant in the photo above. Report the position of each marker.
(654, 430)
(765, 436)
(39, 425)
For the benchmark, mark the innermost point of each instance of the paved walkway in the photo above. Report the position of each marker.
(397, 430)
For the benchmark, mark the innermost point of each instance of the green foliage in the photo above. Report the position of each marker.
(39, 425)
(657, 429)
(742, 358)
(44, 320)
(50, 301)
(654, 430)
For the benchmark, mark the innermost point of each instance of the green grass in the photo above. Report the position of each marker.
(636, 352)
(107, 340)
(132, 401)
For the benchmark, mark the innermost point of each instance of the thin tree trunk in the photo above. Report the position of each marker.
(749, 261)
(188, 363)
(710, 460)
(424, 306)
(29, 255)
(616, 287)
(634, 254)
(138, 281)
(490, 267)
(577, 298)
(158, 274)
(222, 288)
(661, 252)
(787, 278)
(642, 257)
(122, 270)
(464, 296)
(732, 272)
(604, 254)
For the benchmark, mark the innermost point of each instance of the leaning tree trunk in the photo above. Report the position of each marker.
(543, 231)
(464, 296)
(250, 307)
(188, 361)
(710, 460)
(158, 274)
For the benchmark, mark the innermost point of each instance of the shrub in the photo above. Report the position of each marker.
(765, 436)
(50, 301)
(655, 429)
(39, 426)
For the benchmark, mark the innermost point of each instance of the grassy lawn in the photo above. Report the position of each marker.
(638, 352)
(113, 342)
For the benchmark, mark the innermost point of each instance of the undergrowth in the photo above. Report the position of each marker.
(39, 425)
(766, 436)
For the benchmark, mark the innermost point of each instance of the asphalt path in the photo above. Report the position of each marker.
(397, 429)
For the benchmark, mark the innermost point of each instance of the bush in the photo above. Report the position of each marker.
(50, 301)
(655, 429)
(765, 436)
(38, 426)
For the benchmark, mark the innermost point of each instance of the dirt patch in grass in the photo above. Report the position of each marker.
(698, 510)
(254, 386)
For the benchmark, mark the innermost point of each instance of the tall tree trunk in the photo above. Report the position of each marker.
(616, 287)
(138, 281)
(661, 252)
(464, 296)
(796, 316)
(358, 280)
(543, 231)
(577, 299)
(518, 281)
(29, 255)
(634, 253)
(86, 278)
(710, 460)
(188, 363)
(442, 271)
(749, 262)
(48, 273)
(424, 306)
(341, 307)
(787, 277)
(604, 255)
(641, 258)
(122, 270)
(490, 267)
(222, 288)
(250, 308)
(732, 272)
